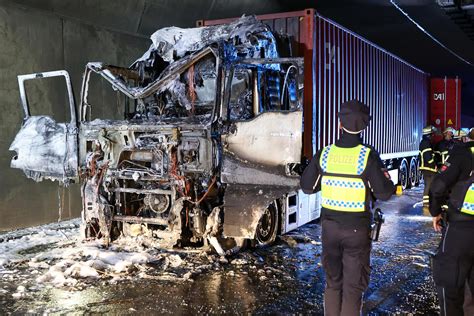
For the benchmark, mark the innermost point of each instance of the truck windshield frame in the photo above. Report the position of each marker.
(124, 81)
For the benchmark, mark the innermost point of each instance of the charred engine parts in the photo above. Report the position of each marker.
(158, 203)
(199, 224)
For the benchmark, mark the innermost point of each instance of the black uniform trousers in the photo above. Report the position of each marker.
(427, 178)
(453, 266)
(346, 262)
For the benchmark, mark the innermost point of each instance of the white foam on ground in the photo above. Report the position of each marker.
(418, 204)
(418, 218)
(57, 255)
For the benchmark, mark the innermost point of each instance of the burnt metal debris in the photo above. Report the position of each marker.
(211, 118)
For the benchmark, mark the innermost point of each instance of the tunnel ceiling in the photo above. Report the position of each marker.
(377, 20)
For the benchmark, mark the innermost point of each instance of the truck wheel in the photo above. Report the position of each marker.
(403, 174)
(267, 226)
(413, 174)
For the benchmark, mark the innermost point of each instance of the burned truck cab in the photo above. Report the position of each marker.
(195, 143)
(159, 159)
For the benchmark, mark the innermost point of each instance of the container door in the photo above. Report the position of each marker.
(445, 102)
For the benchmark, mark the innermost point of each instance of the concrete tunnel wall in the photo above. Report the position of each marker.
(33, 41)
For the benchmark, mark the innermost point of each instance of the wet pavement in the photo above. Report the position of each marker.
(285, 278)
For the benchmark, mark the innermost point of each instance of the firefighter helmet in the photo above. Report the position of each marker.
(460, 133)
(427, 130)
(449, 130)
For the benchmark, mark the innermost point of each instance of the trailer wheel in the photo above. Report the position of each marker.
(403, 174)
(413, 174)
(267, 226)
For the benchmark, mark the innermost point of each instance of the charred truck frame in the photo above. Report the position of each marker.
(211, 124)
(206, 149)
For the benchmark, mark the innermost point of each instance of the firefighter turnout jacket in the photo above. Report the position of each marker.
(427, 161)
(350, 176)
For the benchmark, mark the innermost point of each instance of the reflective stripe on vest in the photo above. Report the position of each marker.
(422, 164)
(340, 193)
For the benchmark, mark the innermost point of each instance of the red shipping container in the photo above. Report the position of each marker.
(445, 103)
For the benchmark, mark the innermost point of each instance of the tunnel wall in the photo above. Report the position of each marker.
(32, 41)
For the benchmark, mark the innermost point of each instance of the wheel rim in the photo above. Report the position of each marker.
(403, 175)
(267, 225)
(413, 173)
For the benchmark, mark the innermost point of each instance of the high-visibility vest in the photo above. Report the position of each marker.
(342, 186)
(468, 203)
(461, 198)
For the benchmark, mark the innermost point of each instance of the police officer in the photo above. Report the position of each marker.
(349, 175)
(453, 264)
(445, 146)
(427, 162)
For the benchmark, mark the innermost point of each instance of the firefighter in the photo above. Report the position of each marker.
(453, 263)
(459, 136)
(445, 145)
(350, 175)
(427, 162)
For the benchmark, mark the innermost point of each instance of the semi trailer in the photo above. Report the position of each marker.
(201, 140)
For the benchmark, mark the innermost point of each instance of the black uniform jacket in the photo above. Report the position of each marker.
(457, 168)
(381, 186)
(428, 156)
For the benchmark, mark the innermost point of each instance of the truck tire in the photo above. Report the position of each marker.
(267, 226)
(413, 173)
(403, 174)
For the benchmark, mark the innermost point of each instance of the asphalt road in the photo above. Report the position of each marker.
(285, 278)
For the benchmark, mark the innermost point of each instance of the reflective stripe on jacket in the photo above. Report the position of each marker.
(444, 156)
(426, 165)
(342, 186)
